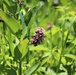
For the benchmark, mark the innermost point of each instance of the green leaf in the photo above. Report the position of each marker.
(17, 53)
(21, 50)
(24, 27)
(55, 29)
(70, 56)
(23, 47)
(32, 69)
(1, 2)
(10, 41)
(10, 21)
(7, 6)
(45, 59)
(74, 42)
(74, 26)
(11, 72)
(38, 48)
(69, 49)
(28, 17)
(65, 2)
(33, 13)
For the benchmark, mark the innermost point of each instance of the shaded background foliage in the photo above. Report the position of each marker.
(56, 55)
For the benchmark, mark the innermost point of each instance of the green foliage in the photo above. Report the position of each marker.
(32, 68)
(56, 55)
(11, 22)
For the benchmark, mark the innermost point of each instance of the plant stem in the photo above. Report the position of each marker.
(20, 68)
(50, 40)
(63, 42)
(28, 53)
(61, 49)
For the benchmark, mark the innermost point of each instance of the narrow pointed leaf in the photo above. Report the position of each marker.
(33, 68)
(70, 56)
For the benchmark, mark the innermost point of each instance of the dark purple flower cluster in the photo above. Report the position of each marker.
(38, 37)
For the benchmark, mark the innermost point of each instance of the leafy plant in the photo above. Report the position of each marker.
(37, 37)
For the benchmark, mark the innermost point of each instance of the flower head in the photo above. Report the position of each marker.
(38, 37)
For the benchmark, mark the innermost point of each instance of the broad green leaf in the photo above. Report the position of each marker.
(32, 69)
(23, 47)
(39, 48)
(10, 21)
(70, 56)
(21, 50)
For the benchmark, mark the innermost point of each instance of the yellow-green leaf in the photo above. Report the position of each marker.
(11, 22)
